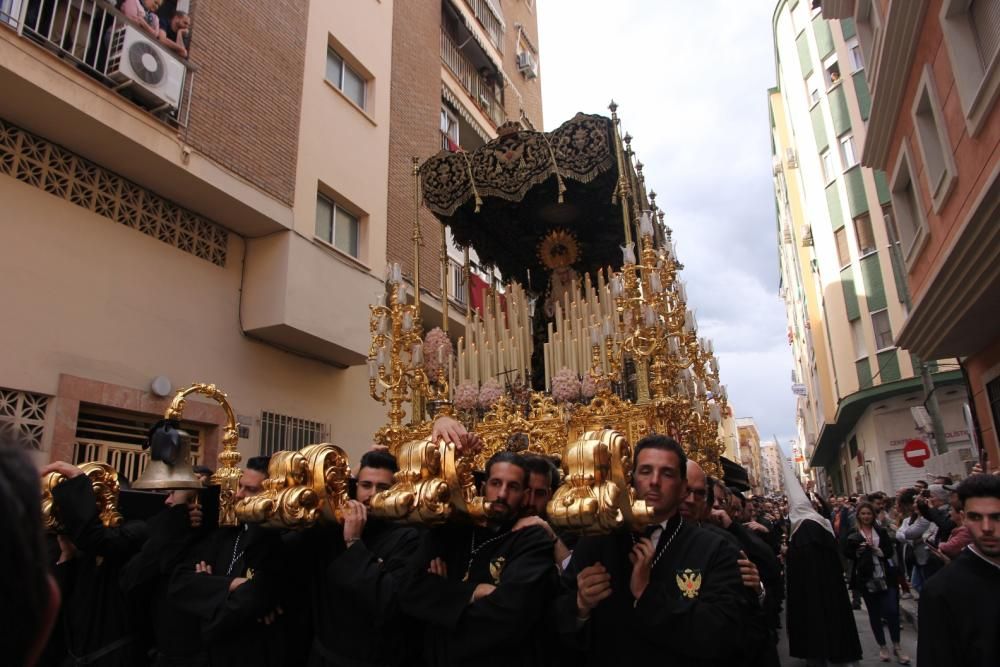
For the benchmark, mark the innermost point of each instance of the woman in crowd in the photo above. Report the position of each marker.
(871, 548)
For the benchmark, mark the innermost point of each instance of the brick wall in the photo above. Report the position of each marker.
(413, 130)
(530, 89)
(415, 118)
(247, 94)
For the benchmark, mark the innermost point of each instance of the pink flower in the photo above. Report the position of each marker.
(489, 394)
(565, 386)
(466, 396)
(437, 351)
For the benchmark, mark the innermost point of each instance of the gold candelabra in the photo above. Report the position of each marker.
(395, 359)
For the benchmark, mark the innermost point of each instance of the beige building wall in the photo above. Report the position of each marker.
(135, 247)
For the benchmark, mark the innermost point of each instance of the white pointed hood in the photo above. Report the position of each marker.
(799, 506)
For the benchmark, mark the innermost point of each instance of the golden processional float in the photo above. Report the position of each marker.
(588, 347)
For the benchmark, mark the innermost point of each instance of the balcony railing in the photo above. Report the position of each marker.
(491, 24)
(481, 90)
(101, 42)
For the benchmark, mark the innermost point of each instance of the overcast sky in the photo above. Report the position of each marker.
(691, 81)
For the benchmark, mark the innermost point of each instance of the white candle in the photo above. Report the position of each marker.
(628, 253)
(372, 369)
(645, 225)
(417, 354)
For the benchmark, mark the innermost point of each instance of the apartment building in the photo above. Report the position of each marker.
(750, 458)
(460, 70)
(935, 130)
(770, 464)
(219, 217)
(860, 396)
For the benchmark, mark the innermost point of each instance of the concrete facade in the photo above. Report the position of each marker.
(935, 130)
(750, 456)
(842, 279)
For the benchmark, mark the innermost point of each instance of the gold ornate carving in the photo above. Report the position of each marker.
(433, 483)
(506, 427)
(104, 481)
(228, 474)
(596, 495)
(303, 487)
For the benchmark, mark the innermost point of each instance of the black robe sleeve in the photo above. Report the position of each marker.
(937, 633)
(431, 598)
(373, 581)
(77, 508)
(208, 597)
(498, 618)
(711, 620)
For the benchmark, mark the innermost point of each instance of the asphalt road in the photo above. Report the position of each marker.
(869, 647)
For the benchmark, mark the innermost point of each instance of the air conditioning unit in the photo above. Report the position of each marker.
(156, 77)
(807, 236)
(776, 165)
(791, 158)
(526, 64)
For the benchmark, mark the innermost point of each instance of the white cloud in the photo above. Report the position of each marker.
(691, 82)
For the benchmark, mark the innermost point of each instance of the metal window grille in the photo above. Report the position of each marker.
(457, 289)
(281, 432)
(22, 416)
(116, 437)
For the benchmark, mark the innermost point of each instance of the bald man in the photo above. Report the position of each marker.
(761, 632)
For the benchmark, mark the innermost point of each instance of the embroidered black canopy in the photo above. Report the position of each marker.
(506, 196)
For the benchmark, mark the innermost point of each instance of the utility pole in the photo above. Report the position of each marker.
(930, 399)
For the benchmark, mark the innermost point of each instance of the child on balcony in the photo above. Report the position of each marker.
(143, 13)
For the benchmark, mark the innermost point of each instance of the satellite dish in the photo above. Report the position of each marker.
(161, 386)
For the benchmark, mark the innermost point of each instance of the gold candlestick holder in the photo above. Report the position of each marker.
(395, 358)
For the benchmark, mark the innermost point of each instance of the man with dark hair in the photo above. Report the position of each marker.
(959, 614)
(99, 624)
(356, 571)
(673, 591)
(481, 590)
(30, 596)
(762, 584)
(231, 582)
(543, 480)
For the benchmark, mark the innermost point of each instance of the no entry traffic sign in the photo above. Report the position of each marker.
(915, 452)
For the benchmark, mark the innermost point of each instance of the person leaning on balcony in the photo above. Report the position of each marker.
(175, 34)
(143, 12)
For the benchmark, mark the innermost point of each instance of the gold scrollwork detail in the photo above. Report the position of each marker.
(103, 480)
(596, 495)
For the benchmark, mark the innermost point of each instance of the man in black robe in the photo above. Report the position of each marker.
(762, 583)
(819, 617)
(481, 591)
(231, 583)
(99, 625)
(674, 594)
(175, 634)
(356, 572)
(959, 614)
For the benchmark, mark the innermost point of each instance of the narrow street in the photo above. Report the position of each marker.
(868, 645)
